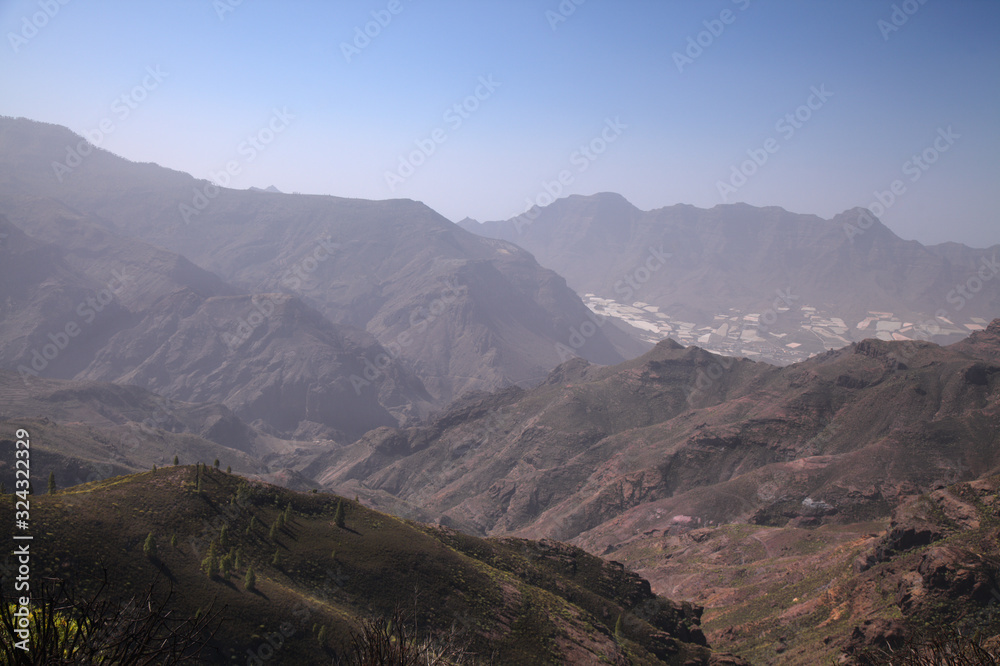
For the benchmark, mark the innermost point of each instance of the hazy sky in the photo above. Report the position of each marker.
(668, 96)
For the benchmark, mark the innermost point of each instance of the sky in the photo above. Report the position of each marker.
(485, 108)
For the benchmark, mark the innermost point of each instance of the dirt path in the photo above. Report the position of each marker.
(767, 548)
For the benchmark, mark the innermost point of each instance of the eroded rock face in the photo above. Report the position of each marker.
(880, 632)
(680, 438)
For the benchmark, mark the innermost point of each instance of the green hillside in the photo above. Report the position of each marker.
(510, 600)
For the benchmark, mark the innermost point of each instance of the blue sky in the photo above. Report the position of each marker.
(681, 127)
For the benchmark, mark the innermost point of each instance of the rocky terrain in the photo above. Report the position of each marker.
(758, 282)
(601, 454)
(460, 311)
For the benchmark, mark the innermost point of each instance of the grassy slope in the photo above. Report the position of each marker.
(499, 593)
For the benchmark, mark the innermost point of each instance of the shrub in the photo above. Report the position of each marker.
(338, 516)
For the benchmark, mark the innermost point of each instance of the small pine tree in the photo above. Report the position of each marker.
(276, 560)
(173, 540)
(618, 628)
(229, 470)
(176, 460)
(280, 520)
(287, 517)
(238, 559)
(52, 483)
(154, 469)
(210, 565)
(253, 523)
(224, 537)
(225, 565)
(338, 515)
(216, 464)
(273, 534)
(322, 636)
(333, 554)
(201, 488)
(250, 580)
(149, 547)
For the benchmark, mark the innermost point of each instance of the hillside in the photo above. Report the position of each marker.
(800, 595)
(601, 454)
(106, 308)
(462, 312)
(797, 504)
(524, 602)
(757, 282)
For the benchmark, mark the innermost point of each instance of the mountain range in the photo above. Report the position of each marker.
(759, 282)
(787, 422)
(449, 311)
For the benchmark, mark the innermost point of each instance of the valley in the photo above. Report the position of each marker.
(778, 446)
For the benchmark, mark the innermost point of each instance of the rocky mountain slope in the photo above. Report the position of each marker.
(874, 592)
(677, 436)
(762, 282)
(160, 322)
(462, 312)
(797, 504)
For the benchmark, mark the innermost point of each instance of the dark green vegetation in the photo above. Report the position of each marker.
(531, 603)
